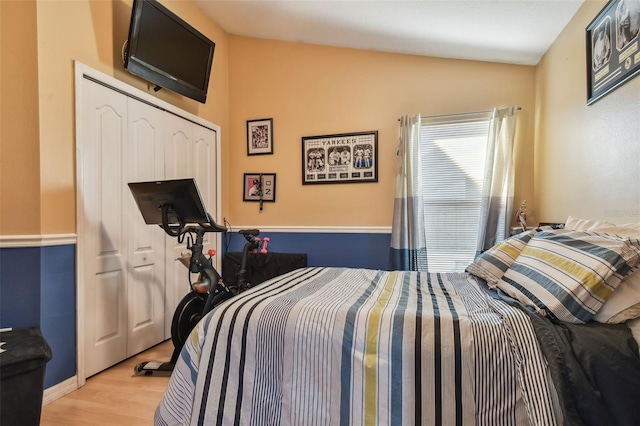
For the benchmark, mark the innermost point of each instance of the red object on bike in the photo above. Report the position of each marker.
(211, 252)
(201, 289)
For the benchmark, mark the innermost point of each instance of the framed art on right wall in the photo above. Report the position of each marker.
(613, 51)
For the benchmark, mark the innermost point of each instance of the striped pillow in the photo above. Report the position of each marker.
(570, 274)
(493, 263)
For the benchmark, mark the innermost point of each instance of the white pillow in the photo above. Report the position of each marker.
(576, 224)
(624, 303)
(630, 230)
(632, 225)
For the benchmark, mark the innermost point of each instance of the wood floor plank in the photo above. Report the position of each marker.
(113, 397)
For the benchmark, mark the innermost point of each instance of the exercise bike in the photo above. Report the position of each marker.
(173, 205)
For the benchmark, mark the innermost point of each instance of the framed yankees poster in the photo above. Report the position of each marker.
(340, 158)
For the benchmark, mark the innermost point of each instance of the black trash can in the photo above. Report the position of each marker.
(22, 365)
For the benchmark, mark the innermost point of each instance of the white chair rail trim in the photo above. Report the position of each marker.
(319, 229)
(9, 241)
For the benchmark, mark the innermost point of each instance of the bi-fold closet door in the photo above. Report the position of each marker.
(129, 280)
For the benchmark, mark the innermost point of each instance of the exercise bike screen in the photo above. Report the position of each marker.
(182, 195)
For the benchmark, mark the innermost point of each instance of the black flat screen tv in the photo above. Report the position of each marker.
(167, 51)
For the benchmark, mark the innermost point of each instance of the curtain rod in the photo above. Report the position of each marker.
(463, 113)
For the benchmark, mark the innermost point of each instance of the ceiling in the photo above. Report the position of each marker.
(509, 31)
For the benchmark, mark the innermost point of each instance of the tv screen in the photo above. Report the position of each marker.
(181, 195)
(165, 50)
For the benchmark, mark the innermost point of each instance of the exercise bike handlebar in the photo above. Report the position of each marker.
(198, 263)
(212, 226)
(176, 230)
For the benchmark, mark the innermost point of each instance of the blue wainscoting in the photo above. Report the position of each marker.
(38, 289)
(20, 287)
(353, 250)
(58, 311)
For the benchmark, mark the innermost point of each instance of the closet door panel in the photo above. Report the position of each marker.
(103, 247)
(205, 173)
(178, 148)
(144, 161)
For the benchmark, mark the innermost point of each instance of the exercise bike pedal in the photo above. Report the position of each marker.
(151, 368)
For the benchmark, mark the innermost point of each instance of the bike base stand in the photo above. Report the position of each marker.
(150, 368)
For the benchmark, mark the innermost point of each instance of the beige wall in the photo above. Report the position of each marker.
(587, 157)
(38, 98)
(315, 90)
(19, 139)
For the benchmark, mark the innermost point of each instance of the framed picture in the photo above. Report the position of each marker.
(342, 158)
(613, 48)
(259, 187)
(260, 136)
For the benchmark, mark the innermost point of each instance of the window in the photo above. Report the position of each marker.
(453, 162)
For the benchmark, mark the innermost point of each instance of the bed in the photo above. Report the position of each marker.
(342, 346)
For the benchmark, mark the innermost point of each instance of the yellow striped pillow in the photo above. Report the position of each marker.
(493, 263)
(570, 274)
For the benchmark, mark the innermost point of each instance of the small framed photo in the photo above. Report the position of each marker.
(260, 136)
(259, 187)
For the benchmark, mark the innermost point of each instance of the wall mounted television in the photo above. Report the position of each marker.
(165, 50)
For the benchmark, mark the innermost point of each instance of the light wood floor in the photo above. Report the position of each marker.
(113, 397)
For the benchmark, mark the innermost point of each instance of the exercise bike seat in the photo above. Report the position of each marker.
(249, 232)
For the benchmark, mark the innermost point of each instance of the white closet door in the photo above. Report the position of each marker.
(128, 280)
(104, 132)
(144, 161)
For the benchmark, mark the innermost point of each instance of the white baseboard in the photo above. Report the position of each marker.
(59, 390)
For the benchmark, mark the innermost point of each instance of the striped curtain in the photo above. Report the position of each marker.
(408, 243)
(497, 188)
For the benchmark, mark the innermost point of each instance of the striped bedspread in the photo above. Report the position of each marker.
(337, 346)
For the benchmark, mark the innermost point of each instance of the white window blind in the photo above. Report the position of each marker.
(453, 160)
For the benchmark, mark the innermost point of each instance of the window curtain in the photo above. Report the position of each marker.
(408, 244)
(497, 190)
